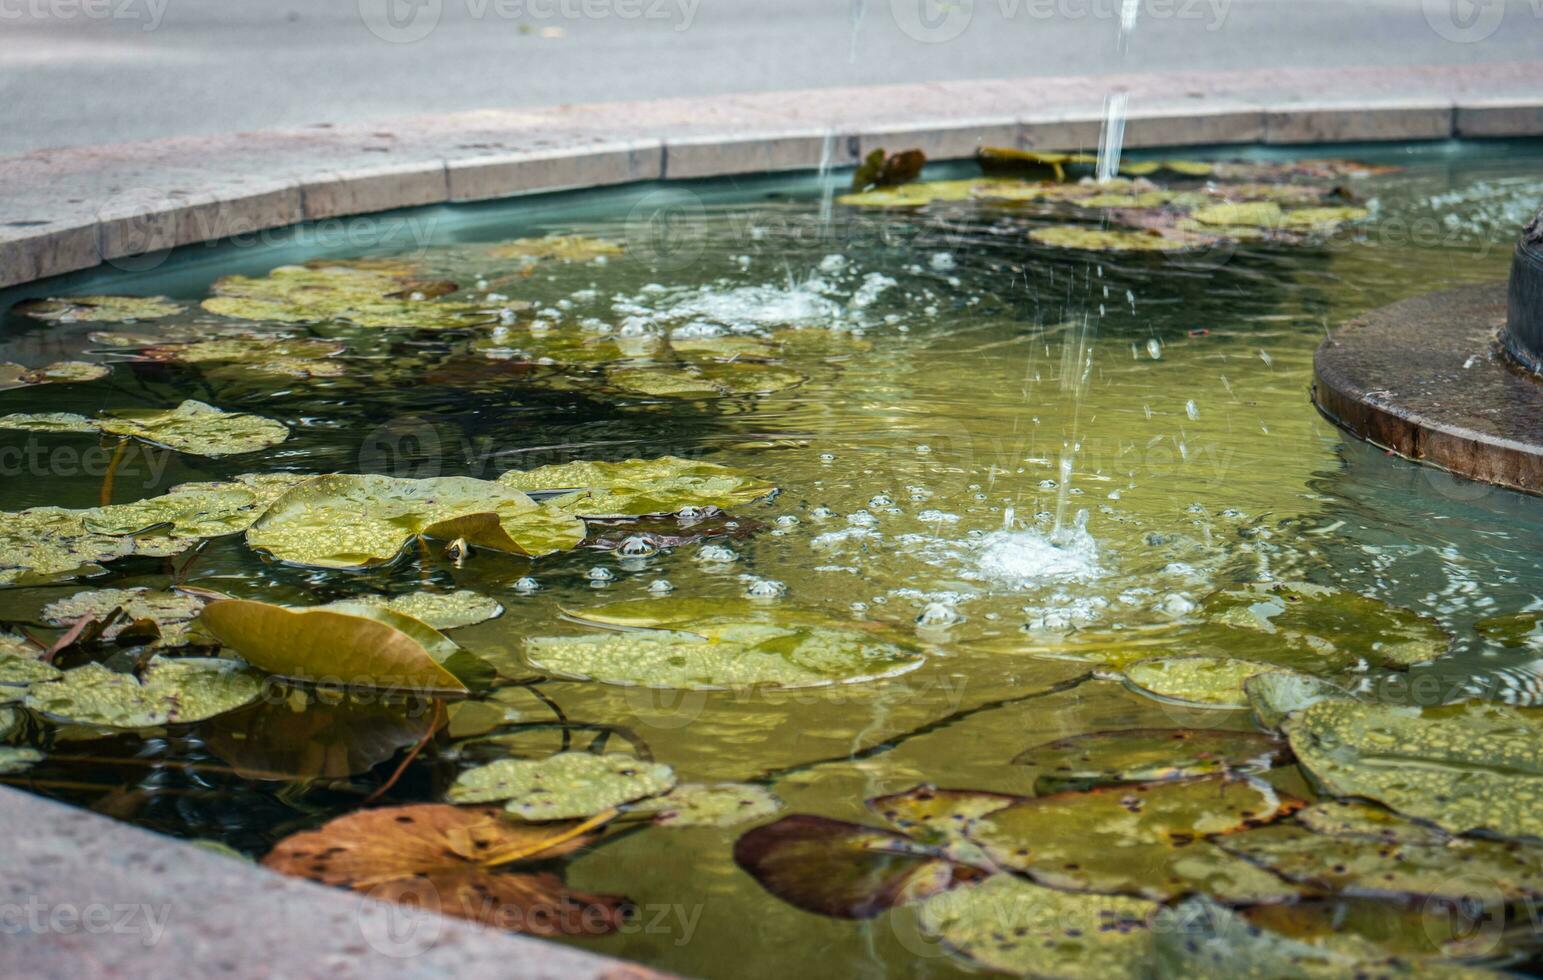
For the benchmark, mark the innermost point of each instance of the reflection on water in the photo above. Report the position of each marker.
(990, 444)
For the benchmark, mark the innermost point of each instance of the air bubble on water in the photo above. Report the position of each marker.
(637, 546)
(661, 586)
(506, 316)
(859, 607)
(717, 553)
(938, 615)
(1192, 410)
(822, 513)
(480, 285)
(923, 449)
(942, 261)
(690, 514)
(765, 588)
(600, 574)
(1048, 484)
(1154, 349)
(881, 500)
(1177, 604)
(1114, 495)
(827, 457)
(787, 520)
(861, 518)
(1264, 356)
(937, 517)
(497, 298)
(833, 263)
(527, 586)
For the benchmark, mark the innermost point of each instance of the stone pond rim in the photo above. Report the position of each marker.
(1452, 379)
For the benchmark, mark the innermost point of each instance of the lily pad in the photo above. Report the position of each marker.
(1512, 629)
(709, 805)
(448, 858)
(47, 544)
(170, 611)
(441, 610)
(940, 817)
(193, 511)
(100, 309)
(287, 357)
(1277, 695)
(20, 668)
(15, 759)
(1347, 818)
(736, 649)
(1212, 682)
(1464, 767)
(364, 297)
(352, 645)
(48, 422)
(1138, 839)
(357, 521)
(1007, 925)
(64, 372)
(571, 784)
(180, 691)
(1082, 238)
(1328, 629)
(844, 870)
(639, 487)
(196, 428)
(563, 248)
(921, 194)
(1253, 214)
(1140, 755)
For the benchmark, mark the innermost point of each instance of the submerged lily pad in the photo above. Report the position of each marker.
(1464, 767)
(563, 248)
(1138, 839)
(328, 734)
(710, 805)
(1316, 628)
(1212, 682)
(570, 784)
(639, 487)
(349, 644)
(735, 648)
(180, 691)
(170, 611)
(365, 297)
(1277, 695)
(1011, 926)
(345, 521)
(845, 870)
(64, 372)
(100, 309)
(441, 610)
(1142, 755)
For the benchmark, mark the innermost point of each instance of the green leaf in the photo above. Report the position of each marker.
(773, 647)
(196, 428)
(356, 521)
(1277, 695)
(365, 297)
(21, 668)
(563, 248)
(1465, 767)
(1347, 818)
(15, 759)
(100, 309)
(170, 611)
(179, 691)
(46, 544)
(1081, 238)
(1314, 628)
(1140, 755)
(48, 422)
(638, 487)
(1211, 682)
(940, 817)
(357, 645)
(64, 372)
(195, 511)
(1137, 839)
(568, 785)
(440, 610)
(1007, 925)
(709, 805)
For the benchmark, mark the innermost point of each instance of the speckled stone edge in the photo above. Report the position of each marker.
(64, 211)
(1424, 378)
(85, 896)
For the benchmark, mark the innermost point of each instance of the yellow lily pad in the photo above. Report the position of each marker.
(361, 296)
(440, 610)
(1211, 682)
(1082, 238)
(564, 786)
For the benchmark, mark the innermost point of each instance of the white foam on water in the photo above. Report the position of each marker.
(1025, 559)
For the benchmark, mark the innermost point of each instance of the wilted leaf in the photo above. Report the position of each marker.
(353, 645)
(563, 248)
(441, 610)
(571, 784)
(709, 805)
(100, 309)
(638, 487)
(1007, 925)
(64, 372)
(437, 856)
(1464, 767)
(364, 297)
(180, 691)
(1143, 838)
(344, 521)
(306, 737)
(170, 611)
(892, 170)
(1140, 755)
(738, 647)
(1211, 682)
(841, 869)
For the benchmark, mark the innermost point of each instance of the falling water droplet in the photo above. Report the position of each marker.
(1191, 410)
(1154, 349)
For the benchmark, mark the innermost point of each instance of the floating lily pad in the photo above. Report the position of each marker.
(195, 511)
(64, 372)
(20, 667)
(48, 422)
(738, 648)
(1276, 695)
(940, 817)
(920, 194)
(441, 610)
(1007, 925)
(179, 691)
(1138, 839)
(571, 784)
(1410, 936)
(710, 805)
(356, 521)
(1347, 818)
(638, 487)
(46, 544)
(361, 296)
(1142, 755)
(1082, 238)
(170, 611)
(1254, 214)
(348, 644)
(194, 427)
(563, 248)
(1316, 628)
(1464, 767)
(1212, 682)
(446, 858)
(1512, 630)
(288, 357)
(100, 309)
(844, 870)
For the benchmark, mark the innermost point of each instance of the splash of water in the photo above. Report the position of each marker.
(1025, 559)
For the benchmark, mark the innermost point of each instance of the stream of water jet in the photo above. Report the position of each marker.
(827, 187)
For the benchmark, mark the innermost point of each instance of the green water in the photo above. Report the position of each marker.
(1027, 441)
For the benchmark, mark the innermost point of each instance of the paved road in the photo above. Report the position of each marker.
(92, 71)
